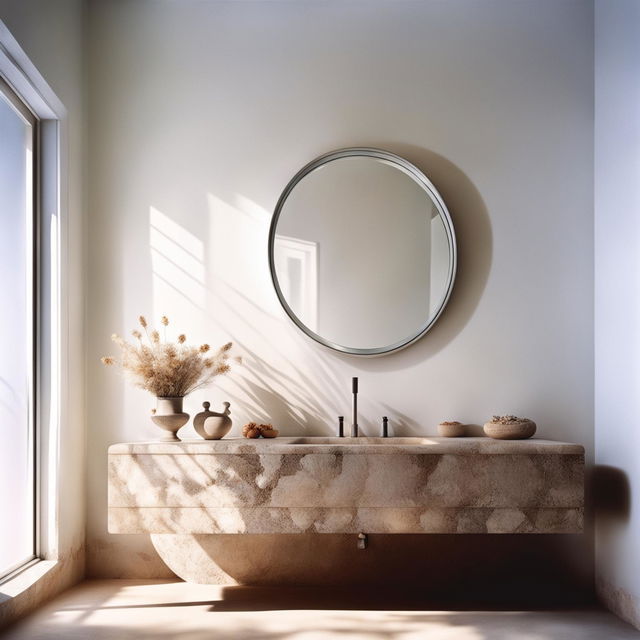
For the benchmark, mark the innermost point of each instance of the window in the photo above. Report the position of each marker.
(18, 266)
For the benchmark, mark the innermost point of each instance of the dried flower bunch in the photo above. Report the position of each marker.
(508, 419)
(168, 369)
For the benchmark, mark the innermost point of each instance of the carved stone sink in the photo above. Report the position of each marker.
(347, 442)
(180, 492)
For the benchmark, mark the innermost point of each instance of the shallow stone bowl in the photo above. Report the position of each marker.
(455, 430)
(510, 430)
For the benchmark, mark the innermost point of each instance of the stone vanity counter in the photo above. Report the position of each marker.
(303, 445)
(331, 485)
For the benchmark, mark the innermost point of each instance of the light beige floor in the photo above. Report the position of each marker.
(145, 610)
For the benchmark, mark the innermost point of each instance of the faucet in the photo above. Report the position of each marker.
(354, 423)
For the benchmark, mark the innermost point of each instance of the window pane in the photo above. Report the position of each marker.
(16, 438)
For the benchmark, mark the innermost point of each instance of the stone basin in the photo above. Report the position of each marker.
(186, 493)
(364, 440)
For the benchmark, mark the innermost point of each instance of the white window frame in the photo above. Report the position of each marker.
(32, 260)
(52, 321)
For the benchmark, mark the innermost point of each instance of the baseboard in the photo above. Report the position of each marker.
(619, 601)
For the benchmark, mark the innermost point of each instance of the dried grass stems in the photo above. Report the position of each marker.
(168, 369)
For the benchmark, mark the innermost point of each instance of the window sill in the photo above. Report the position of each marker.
(23, 581)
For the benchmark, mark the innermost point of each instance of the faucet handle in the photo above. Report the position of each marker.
(385, 427)
(341, 426)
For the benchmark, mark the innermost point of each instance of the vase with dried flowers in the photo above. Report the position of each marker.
(168, 370)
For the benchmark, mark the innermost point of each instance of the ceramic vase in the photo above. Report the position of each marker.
(170, 417)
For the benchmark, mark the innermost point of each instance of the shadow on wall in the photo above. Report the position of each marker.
(303, 404)
(611, 500)
(219, 278)
(475, 248)
(611, 493)
(302, 393)
(222, 286)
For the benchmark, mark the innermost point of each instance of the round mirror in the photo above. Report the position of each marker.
(362, 251)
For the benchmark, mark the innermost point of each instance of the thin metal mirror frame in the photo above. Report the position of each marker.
(426, 184)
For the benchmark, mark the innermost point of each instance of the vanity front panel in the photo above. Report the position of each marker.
(435, 485)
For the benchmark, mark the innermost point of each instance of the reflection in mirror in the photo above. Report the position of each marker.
(297, 266)
(362, 251)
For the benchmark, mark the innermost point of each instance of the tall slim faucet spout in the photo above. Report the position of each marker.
(354, 422)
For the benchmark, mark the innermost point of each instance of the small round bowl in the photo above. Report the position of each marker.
(511, 430)
(451, 429)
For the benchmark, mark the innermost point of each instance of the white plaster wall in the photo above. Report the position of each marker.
(51, 34)
(200, 113)
(617, 306)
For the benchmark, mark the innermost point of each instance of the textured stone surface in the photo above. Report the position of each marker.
(332, 520)
(404, 485)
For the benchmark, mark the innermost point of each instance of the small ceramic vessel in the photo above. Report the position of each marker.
(211, 425)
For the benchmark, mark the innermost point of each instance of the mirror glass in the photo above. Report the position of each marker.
(362, 251)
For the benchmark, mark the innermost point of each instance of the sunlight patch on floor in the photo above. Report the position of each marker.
(142, 610)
